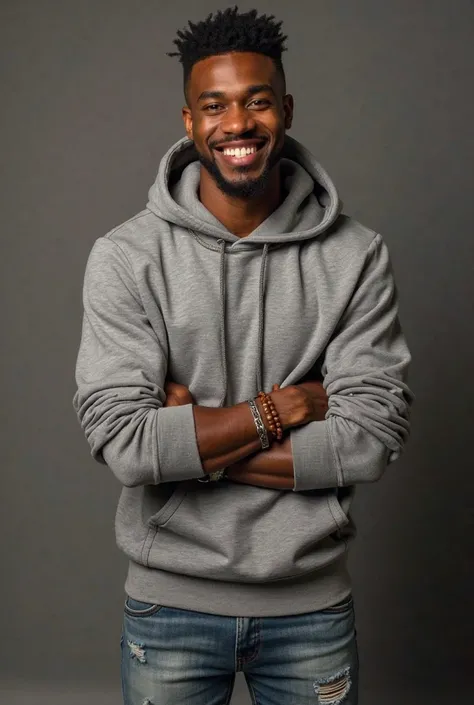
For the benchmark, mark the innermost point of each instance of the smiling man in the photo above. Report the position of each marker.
(241, 369)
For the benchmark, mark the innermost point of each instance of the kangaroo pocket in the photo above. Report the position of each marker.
(239, 533)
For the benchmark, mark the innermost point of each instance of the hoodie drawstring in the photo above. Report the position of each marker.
(261, 315)
(223, 313)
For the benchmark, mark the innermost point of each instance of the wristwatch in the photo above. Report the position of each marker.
(214, 476)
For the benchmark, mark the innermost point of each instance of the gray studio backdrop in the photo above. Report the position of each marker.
(384, 98)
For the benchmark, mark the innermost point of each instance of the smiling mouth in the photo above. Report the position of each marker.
(243, 156)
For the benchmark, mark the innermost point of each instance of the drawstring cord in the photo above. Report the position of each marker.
(223, 312)
(261, 317)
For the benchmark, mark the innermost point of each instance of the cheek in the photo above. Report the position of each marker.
(201, 134)
(282, 126)
(276, 125)
(278, 132)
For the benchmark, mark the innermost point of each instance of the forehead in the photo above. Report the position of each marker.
(231, 73)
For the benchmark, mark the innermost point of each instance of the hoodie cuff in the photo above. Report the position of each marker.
(178, 452)
(314, 463)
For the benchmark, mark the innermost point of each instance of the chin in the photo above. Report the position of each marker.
(250, 186)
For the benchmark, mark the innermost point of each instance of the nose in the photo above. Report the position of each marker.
(237, 119)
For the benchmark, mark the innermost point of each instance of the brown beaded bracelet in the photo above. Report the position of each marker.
(272, 415)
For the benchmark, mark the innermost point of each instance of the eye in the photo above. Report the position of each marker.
(260, 103)
(212, 108)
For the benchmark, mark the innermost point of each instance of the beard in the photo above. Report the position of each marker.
(244, 187)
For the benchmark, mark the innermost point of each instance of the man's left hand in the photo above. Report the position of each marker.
(177, 394)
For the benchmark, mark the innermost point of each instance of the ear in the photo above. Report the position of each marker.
(188, 121)
(288, 108)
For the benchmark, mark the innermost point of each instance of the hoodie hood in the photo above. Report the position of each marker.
(310, 207)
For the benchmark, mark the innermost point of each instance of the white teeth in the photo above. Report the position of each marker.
(240, 152)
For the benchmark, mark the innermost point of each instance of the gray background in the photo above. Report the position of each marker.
(384, 98)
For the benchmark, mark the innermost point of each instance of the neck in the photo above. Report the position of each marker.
(240, 215)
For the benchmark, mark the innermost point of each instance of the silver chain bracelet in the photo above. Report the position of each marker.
(262, 431)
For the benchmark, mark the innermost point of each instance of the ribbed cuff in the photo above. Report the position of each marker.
(177, 445)
(313, 459)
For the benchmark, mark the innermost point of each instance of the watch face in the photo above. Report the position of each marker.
(213, 476)
(216, 476)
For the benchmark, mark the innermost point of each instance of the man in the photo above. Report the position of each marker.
(241, 369)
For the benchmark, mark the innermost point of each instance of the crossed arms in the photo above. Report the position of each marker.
(349, 437)
(227, 437)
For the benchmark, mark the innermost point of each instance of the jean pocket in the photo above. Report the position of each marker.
(137, 608)
(345, 605)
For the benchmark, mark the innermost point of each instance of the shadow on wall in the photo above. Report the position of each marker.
(412, 560)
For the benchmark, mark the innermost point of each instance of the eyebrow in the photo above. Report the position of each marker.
(251, 90)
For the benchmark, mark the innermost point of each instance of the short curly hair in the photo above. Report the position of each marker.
(228, 31)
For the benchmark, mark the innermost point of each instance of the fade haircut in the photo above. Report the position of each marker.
(228, 31)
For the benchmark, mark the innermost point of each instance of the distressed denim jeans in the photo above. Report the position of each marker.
(180, 657)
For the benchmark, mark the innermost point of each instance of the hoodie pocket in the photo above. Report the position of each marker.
(336, 509)
(170, 507)
(140, 511)
(239, 533)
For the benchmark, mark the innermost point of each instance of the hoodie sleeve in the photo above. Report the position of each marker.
(120, 375)
(365, 370)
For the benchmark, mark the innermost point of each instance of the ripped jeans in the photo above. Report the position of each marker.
(176, 657)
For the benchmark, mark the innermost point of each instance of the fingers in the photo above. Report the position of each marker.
(180, 392)
(177, 394)
(174, 387)
(171, 401)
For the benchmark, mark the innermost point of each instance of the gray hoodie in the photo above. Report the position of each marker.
(309, 294)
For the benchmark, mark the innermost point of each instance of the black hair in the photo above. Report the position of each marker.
(228, 31)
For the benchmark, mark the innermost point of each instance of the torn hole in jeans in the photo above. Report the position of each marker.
(333, 690)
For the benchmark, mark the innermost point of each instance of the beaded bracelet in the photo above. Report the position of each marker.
(272, 415)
